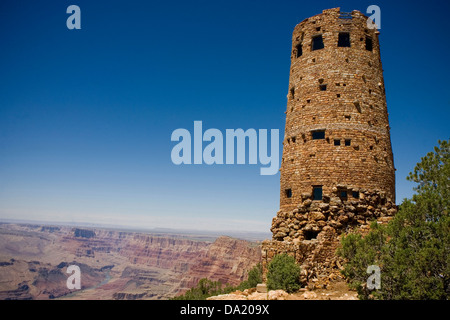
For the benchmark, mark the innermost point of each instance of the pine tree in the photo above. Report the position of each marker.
(283, 273)
(412, 251)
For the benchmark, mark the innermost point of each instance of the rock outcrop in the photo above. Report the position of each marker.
(227, 260)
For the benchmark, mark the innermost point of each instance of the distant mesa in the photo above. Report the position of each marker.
(84, 233)
(50, 229)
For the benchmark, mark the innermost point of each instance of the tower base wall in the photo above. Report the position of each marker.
(311, 233)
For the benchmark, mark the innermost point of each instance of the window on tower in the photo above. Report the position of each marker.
(288, 193)
(344, 39)
(369, 45)
(348, 142)
(292, 91)
(343, 194)
(317, 43)
(318, 134)
(299, 50)
(317, 192)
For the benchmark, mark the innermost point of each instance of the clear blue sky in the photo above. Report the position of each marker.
(86, 115)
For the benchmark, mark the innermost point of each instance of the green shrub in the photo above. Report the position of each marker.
(413, 250)
(255, 276)
(206, 288)
(283, 273)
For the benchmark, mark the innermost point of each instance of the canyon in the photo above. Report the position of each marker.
(114, 263)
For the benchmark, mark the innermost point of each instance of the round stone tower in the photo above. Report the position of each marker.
(337, 169)
(337, 130)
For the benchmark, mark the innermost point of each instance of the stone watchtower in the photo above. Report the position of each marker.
(337, 169)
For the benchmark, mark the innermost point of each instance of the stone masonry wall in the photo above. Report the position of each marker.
(337, 141)
(312, 231)
(338, 90)
(311, 217)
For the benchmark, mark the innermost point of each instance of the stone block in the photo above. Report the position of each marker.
(261, 288)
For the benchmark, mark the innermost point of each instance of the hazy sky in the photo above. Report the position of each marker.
(86, 115)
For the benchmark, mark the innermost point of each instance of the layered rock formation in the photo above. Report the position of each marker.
(227, 260)
(114, 264)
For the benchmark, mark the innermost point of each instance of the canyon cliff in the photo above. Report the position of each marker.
(115, 264)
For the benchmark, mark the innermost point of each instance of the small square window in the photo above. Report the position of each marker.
(317, 43)
(344, 39)
(316, 135)
(288, 193)
(323, 87)
(317, 193)
(337, 142)
(348, 142)
(355, 194)
(343, 194)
